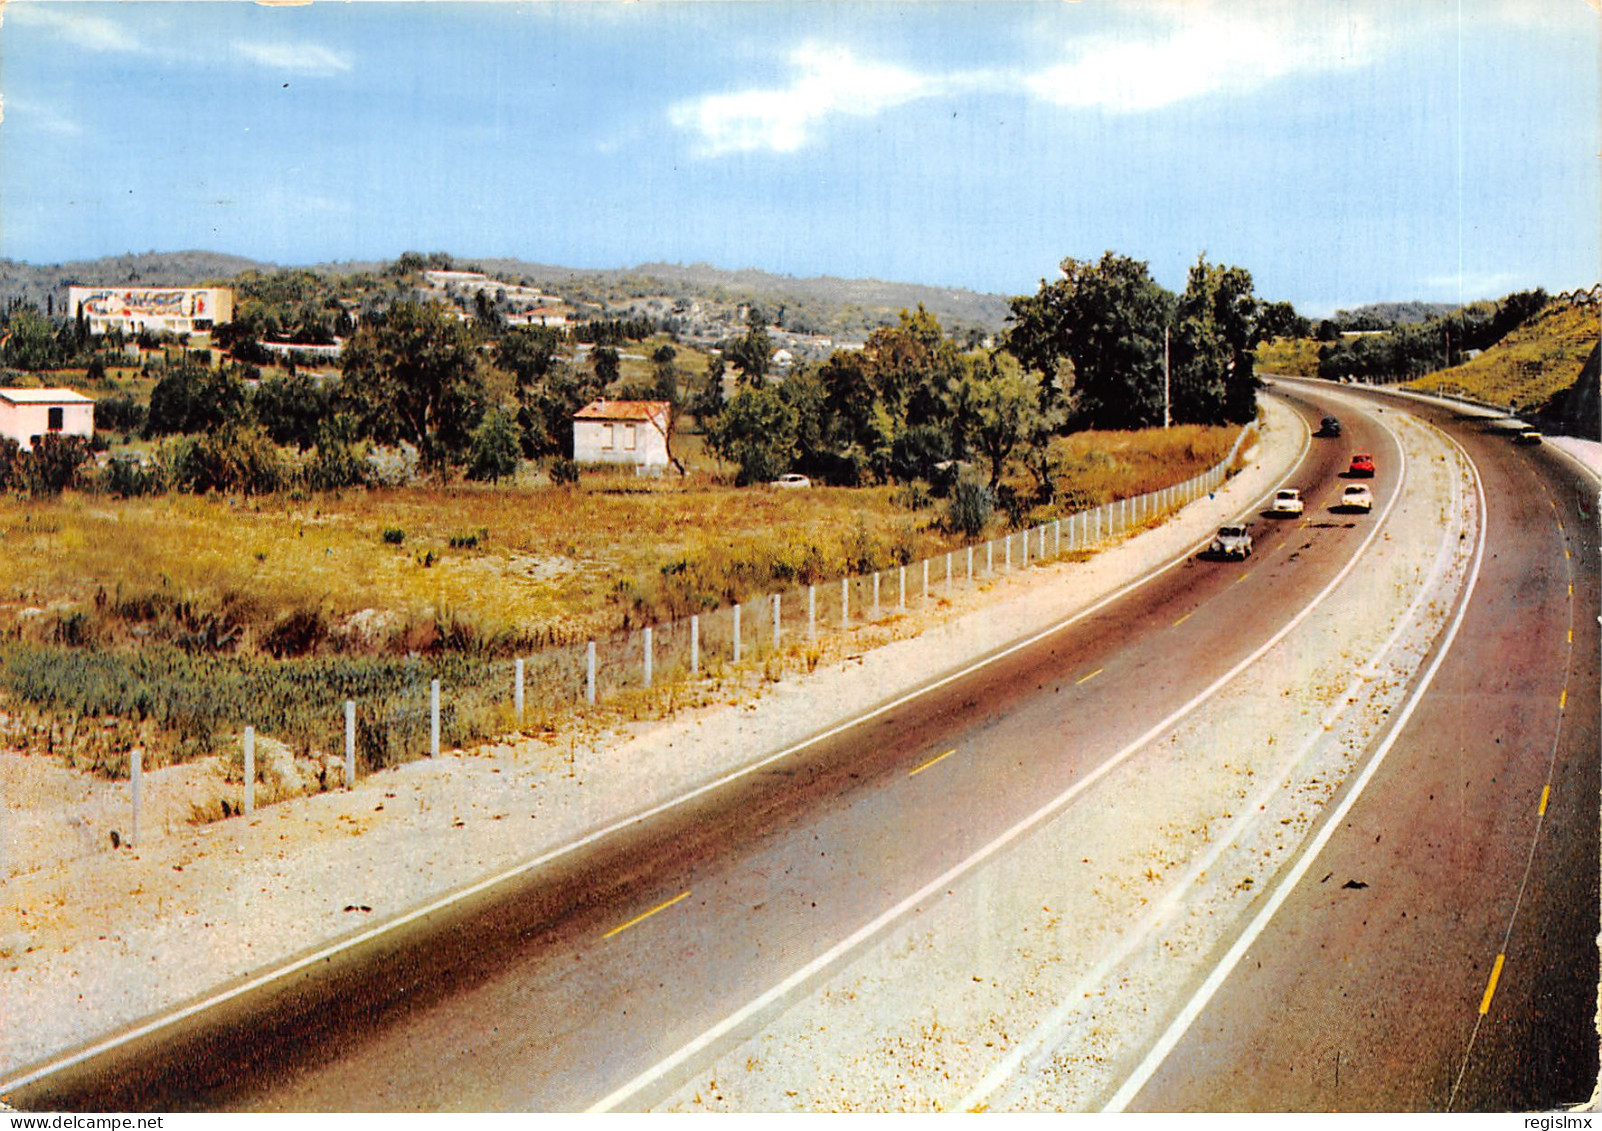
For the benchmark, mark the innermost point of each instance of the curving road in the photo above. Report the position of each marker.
(605, 977)
(1464, 975)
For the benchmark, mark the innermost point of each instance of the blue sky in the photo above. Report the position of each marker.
(1343, 152)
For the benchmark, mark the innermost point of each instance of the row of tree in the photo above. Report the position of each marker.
(1103, 346)
(1412, 350)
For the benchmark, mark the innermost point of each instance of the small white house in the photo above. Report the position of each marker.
(627, 432)
(27, 414)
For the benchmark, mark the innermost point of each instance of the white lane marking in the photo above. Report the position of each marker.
(1193, 1009)
(323, 954)
(1051, 808)
(1073, 999)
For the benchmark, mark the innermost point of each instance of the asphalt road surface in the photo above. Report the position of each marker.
(555, 990)
(1463, 975)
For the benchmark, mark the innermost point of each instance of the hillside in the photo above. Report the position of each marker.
(1386, 315)
(1529, 368)
(845, 309)
(38, 284)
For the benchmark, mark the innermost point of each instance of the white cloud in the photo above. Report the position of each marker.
(1169, 53)
(1220, 53)
(92, 33)
(828, 81)
(301, 58)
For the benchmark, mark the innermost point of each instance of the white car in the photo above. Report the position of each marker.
(1287, 500)
(1357, 498)
(791, 481)
(1231, 542)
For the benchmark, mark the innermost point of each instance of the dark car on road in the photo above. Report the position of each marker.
(1329, 426)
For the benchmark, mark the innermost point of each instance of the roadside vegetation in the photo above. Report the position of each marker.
(250, 538)
(1533, 364)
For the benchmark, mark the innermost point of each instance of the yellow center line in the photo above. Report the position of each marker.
(642, 918)
(1546, 792)
(931, 761)
(1490, 988)
(1563, 700)
(1566, 553)
(1184, 618)
(1571, 636)
(1242, 579)
(1088, 678)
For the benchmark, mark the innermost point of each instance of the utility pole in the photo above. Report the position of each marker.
(1165, 377)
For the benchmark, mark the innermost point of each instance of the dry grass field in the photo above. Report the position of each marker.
(167, 622)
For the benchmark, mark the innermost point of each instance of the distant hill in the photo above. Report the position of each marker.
(151, 269)
(1385, 315)
(843, 308)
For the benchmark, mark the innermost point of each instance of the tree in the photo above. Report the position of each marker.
(757, 430)
(1280, 320)
(604, 360)
(998, 411)
(665, 374)
(414, 375)
(751, 353)
(28, 340)
(195, 398)
(495, 445)
(1103, 322)
(292, 409)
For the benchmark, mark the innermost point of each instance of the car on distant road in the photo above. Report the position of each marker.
(1528, 436)
(1234, 541)
(791, 482)
(1357, 498)
(1329, 426)
(1287, 500)
(1362, 465)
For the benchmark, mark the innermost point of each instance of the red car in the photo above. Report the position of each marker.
(1362, 464)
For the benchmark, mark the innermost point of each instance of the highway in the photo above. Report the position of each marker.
(607, 976)
(1463, 976)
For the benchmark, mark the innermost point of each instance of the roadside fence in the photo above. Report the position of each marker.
(523, 695)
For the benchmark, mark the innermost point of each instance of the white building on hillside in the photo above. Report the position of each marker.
(626, 432)
(28, 414)
(177, 310)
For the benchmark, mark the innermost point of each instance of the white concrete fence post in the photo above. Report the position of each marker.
(990, 556)
(517, 688)
(845, 602)
(250, 770)
(350, 744)
(433, 718)
(812, 612)
(925, 579)
(736, 633)
(901, 590)
(775, 622)
(875, 594)
(948, 571)
(136, 786)
(970, 563)
(695, 643)
(648, 657)
(1056, 534)
(589, 673)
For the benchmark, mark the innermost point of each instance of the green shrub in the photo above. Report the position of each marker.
(394, 536)
(563, 471)
(969, 506)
